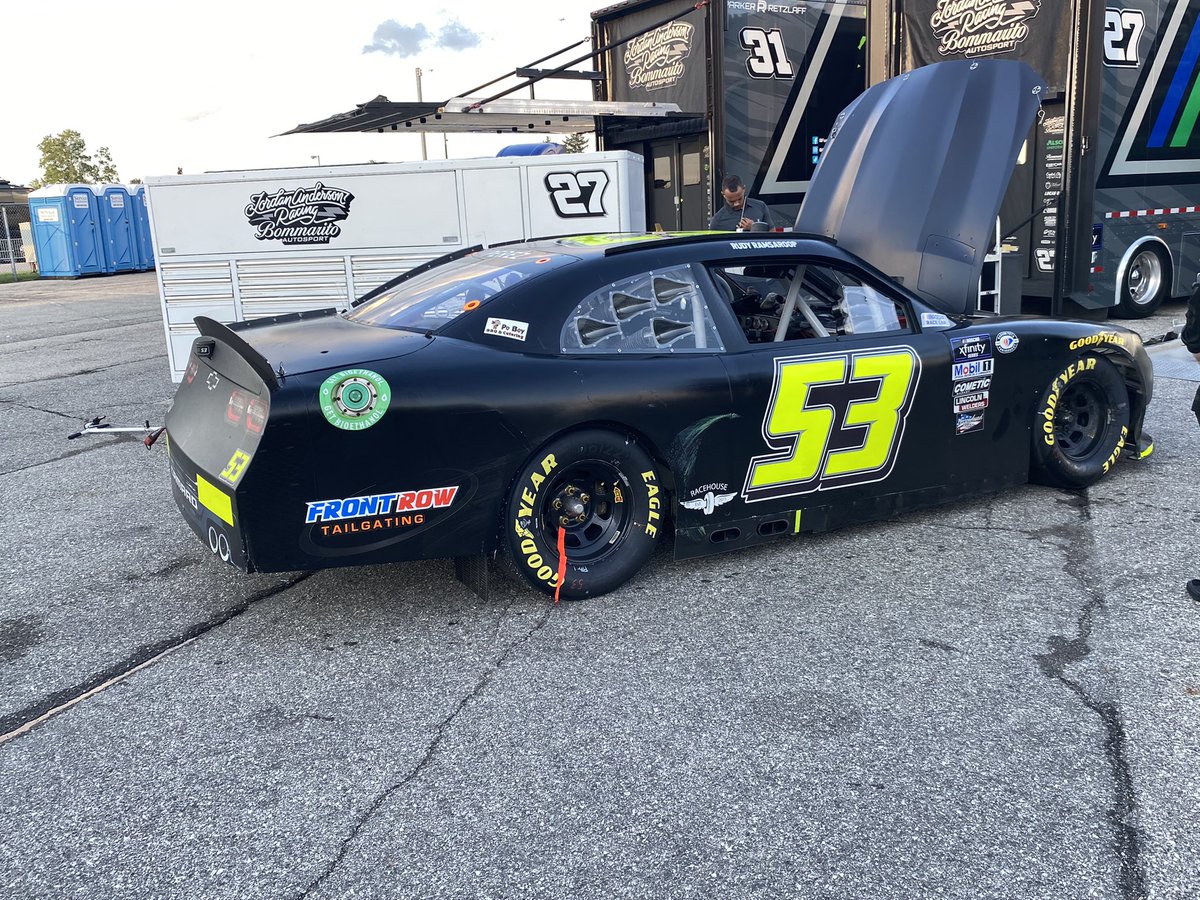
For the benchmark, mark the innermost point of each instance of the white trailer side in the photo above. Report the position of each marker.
(247, 244)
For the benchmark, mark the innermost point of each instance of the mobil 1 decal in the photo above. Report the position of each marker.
(303, 215)
(1157, 140)
(789, 68)
(834, 420)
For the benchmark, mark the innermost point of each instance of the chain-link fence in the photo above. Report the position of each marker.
(16, 240)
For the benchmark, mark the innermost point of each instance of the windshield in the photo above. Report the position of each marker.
(430, 300)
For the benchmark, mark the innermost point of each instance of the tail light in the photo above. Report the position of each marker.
(236, 407)
(192, 369)
(256, 416)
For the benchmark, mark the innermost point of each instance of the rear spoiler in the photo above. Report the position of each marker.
(211, 328)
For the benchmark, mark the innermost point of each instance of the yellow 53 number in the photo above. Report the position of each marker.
(813, 450)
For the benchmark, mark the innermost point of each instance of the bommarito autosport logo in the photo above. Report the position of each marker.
(304, 215)
(981, 27)
(655, 60)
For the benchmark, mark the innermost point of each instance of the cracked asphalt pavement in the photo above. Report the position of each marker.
(999, 698)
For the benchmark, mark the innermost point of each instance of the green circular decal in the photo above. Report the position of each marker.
(355, 399)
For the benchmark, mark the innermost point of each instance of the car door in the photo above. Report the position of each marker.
(844, 407)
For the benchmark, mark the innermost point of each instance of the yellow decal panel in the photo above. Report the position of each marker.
(214, 499)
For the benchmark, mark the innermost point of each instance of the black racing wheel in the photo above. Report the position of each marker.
(1081, 424)
(598, 495)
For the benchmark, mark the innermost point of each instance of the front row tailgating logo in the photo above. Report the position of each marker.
(354, 399)
(304, 215)
(352, 515)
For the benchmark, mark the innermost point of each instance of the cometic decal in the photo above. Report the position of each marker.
(354, 399)
(834, 420)
(303, 215)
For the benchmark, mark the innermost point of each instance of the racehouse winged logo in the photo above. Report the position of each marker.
(304, 215)
(981, 27)
(655, 60)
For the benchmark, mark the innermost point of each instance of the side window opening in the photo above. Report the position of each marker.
(795, 301)
(662, 311)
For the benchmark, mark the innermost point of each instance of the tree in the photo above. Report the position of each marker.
(575, 143)
(65, 159)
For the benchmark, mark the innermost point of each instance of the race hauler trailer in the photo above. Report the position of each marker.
(758, 85)
(265, 242)
(1105, 202)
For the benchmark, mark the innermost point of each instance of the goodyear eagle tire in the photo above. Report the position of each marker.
(605, 492)
(1081, 425)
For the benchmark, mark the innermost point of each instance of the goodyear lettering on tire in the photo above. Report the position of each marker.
(529, 497)
(1056, 388)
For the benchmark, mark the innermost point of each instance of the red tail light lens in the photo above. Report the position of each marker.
(192, 369)
(256, 416)
(236, 408)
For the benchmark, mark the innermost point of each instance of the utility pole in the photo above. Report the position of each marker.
(420, 99)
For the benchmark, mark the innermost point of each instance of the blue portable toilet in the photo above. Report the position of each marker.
(66, 231)
(144, 244)
(116, 228)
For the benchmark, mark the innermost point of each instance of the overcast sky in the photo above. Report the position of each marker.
(203, 86)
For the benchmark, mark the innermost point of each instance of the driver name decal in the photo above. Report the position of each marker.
(981, 27)
(303, 215)
(833, 421)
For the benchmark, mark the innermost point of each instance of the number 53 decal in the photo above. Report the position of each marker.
(834, 421)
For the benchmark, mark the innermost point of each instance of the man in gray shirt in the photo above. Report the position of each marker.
(739, 212)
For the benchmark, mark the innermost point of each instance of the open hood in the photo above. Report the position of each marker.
(915, 169)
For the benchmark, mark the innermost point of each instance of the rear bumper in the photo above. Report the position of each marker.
(209, 507)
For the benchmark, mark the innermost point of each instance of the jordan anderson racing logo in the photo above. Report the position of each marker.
(305, 215)
(981, 27)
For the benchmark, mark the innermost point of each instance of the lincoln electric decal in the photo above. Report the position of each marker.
(304, 215)
(655, 60)
(981, 27)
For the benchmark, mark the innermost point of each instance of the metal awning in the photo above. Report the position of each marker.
(499, 116)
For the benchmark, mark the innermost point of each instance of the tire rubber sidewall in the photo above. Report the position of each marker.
(1050, 464)
(534, 554)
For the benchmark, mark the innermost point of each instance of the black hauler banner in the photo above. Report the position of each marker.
(1037, 32)
(789, 69)
(665, 65)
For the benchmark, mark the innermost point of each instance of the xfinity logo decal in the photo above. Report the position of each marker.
(655, 60)
(981, 27)
(577, 194)
(306, 215)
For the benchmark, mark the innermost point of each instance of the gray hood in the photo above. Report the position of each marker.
(913, 174)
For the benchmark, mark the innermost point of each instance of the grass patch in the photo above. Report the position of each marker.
(7, 277)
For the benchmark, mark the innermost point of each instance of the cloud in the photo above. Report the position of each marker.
(398, 40)
(457, 36)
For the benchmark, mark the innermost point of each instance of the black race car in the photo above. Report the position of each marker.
(569, 402)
